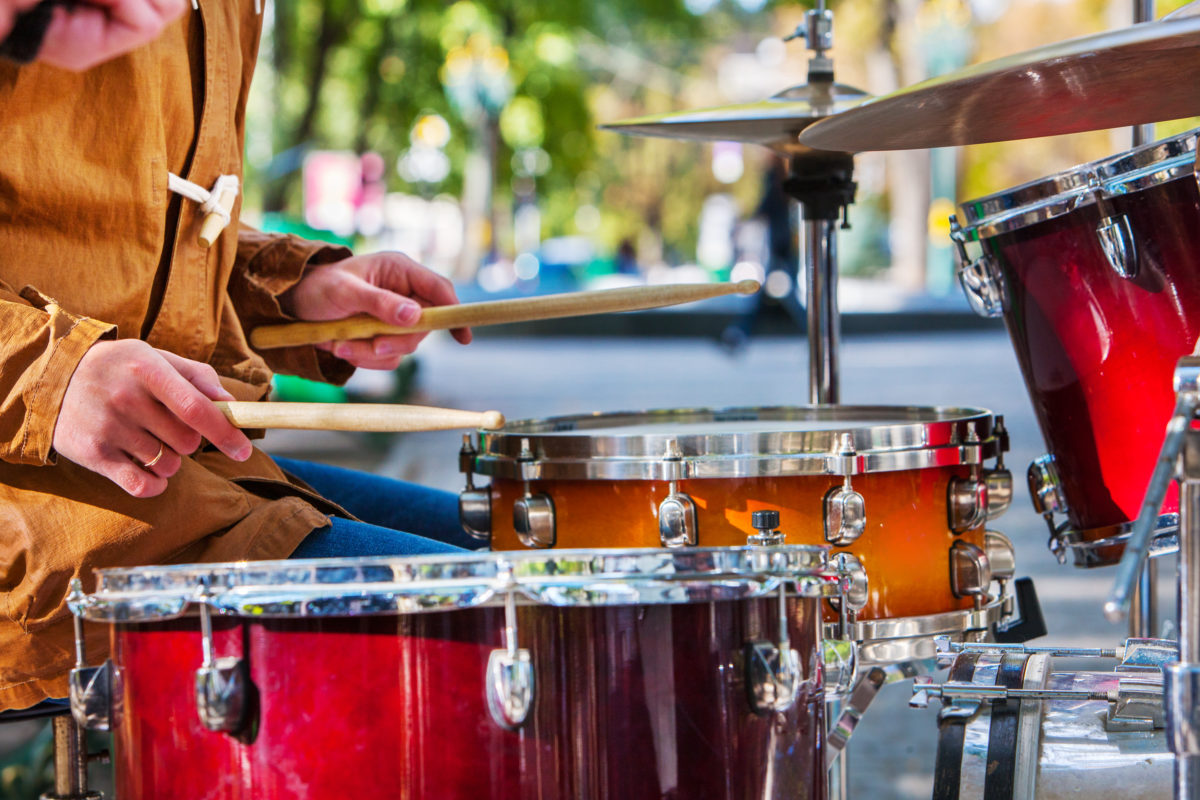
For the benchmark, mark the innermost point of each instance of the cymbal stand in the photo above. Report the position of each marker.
(1143, 617)
(1179, 458)
(822, 182)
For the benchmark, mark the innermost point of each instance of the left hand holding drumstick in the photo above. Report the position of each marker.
(388, 286)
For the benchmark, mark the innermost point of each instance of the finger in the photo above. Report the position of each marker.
(196, 411)
(357, 295)
(116, 466)
(462, 335)
(429, 286)
(143, 448)
(202, 376)
(360, 353)
(166, 427)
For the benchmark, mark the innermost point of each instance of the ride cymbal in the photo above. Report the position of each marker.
(774, 122)
(1132, 76)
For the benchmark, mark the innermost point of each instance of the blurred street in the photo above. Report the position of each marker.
(892, 752)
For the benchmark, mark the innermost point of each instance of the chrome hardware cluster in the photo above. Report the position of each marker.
(533, 514)
(677, 525)
(979, 277)
(222, 685)
(773, 670)
(843, 727)
(766, 523)
(474, 504)
(970, 571)
(510, 675)
(854, 591)
(839, 665)
(845, 510)
(967, 502)
(91, 688)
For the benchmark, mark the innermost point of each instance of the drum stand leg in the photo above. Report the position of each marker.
(1182, 680)
(838, 779)
(70, 762)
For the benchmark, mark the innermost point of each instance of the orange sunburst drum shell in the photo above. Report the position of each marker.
(905, 547)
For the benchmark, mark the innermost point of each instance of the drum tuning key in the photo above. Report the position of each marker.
(510, 676)
(845, 509)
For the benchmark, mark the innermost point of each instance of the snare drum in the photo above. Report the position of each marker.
(903, 491)
(1096, 272)
(547, 676)
(1046, 749)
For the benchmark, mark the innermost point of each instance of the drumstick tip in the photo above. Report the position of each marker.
(748, 286)
(491, 420)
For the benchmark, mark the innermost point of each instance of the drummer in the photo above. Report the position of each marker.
(118, 328)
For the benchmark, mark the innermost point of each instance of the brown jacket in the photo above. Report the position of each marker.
(92, 245)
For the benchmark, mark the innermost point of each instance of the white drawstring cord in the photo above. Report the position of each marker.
(209, 199)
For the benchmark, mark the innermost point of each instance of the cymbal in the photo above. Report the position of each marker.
(774, 122)
(1132, 76)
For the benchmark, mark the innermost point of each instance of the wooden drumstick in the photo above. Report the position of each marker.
(498, 312)
(355, 417)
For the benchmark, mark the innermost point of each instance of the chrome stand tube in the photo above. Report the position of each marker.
(824, 324)
(1143, 613)
(70, 761)
(838, 778)
(1181, 682)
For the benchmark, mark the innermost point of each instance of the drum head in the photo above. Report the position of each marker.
(737, 442)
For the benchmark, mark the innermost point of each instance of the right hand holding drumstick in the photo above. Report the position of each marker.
(388, 286)
(126, 400)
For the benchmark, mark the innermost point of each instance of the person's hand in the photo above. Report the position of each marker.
(90, 32)
(126, 400)
(389, 286)
(8, 13)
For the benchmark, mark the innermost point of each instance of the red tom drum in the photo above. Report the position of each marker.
(576, 674)
(1096, 271)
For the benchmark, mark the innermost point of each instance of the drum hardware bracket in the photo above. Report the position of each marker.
(222, 685)
(677, 525)
(474, 504)
(978, 276)
(999, 479)
(1115, 234)
(533, 514)
(962, 700)
(970, 571)
(91, 688)
(845, 509)
(766, 522)
(510, 677)
(854, 593)
(967, 501)
(773, 670)
(842, 728)
(839, 666)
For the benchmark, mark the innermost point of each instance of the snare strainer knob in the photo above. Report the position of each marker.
(766, 523)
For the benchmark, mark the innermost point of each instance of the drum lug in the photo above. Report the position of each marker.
(510, 677)
(222, 685)
(970, 572)
(773, 670)
(766, 522)
(999, 491)
(474, 504)
(222, 688)
(677, 525)
(1117, 242)
(533, 514)
(1045, 486)
(534, 520)
(91, 688)
(1138, 705)
(967, 502)
(1001, 555)
(845, 509)
(978, 277)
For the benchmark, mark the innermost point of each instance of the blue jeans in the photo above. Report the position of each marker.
(398, 518)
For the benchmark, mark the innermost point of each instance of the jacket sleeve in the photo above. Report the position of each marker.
(268, 265)
(41, 344)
